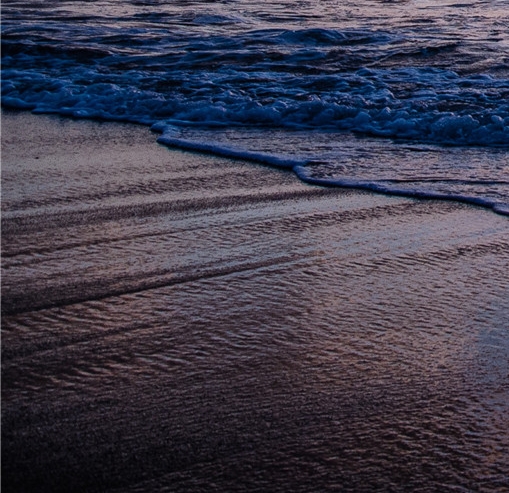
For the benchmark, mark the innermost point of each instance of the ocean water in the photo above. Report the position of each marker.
(408, 97)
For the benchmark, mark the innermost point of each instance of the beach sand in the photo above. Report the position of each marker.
(179, 322)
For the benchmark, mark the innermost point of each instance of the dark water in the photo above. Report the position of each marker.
(295, 79)
(187, 326)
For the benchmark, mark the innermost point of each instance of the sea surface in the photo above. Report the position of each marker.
(405, 97)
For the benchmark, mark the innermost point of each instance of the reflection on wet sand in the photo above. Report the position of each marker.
(166, 331)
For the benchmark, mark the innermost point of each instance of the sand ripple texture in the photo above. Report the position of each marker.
(166, 327)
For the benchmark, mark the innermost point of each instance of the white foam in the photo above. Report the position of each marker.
(170, 137)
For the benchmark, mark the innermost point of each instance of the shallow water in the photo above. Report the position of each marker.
(414, 74)
(189, 326)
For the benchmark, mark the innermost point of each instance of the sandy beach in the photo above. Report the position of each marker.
(176, 322)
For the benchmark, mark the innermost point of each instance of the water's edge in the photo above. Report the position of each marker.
(299, 167)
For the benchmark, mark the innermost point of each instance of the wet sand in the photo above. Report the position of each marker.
(186, 323)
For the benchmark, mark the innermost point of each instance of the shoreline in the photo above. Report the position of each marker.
(297, 167)
(173, 321)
